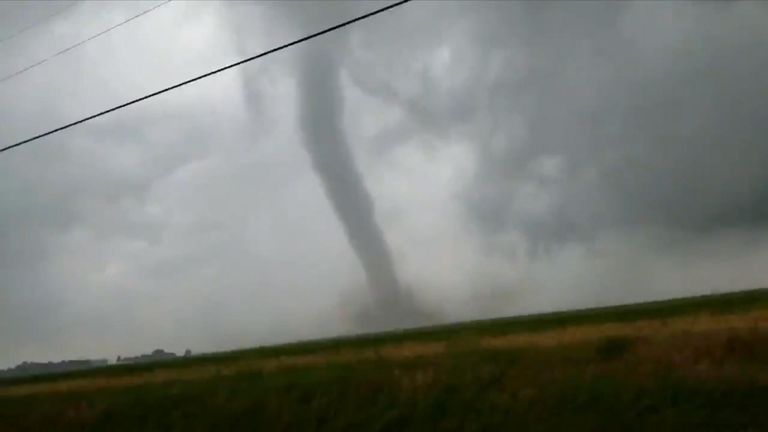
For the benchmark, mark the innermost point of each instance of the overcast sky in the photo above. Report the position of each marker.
(521, 157)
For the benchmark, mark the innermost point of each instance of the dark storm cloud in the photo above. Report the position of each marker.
(657, 112)
(590, 117)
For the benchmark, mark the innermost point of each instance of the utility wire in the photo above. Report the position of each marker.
(208, 74)
(35, 24)
(71, 47)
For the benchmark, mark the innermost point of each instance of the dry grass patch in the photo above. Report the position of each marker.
(646, 328)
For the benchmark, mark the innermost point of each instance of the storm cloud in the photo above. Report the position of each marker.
(643, 116)
(522, 156)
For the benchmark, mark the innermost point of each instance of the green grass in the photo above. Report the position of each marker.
(477, 391)
(616, 383)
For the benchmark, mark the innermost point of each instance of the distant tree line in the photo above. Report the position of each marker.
(41, 368)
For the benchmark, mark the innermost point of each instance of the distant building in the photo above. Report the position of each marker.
(156, 355)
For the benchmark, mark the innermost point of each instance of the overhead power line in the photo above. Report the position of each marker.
(208, 74)
(35, 24)
(71, 47)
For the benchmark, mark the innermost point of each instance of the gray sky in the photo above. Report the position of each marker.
(520, 156)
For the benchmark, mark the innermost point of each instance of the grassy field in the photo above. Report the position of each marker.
(688, 364)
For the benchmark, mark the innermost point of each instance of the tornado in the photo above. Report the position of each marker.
(320, 119)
